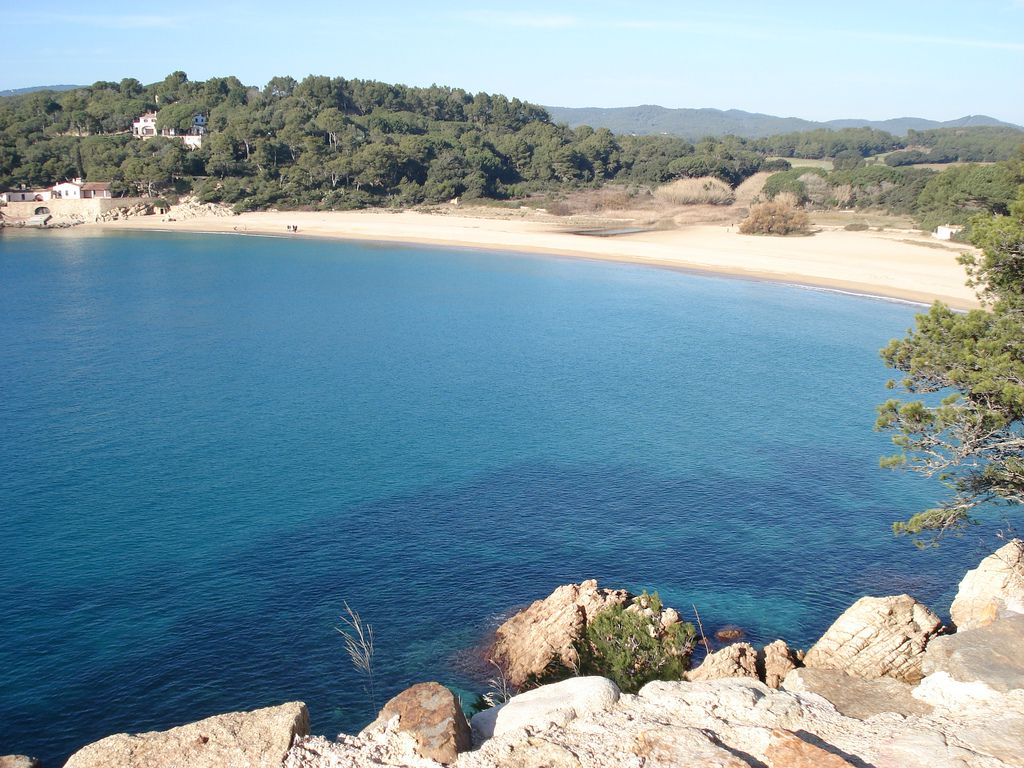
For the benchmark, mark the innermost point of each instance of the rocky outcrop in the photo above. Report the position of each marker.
(543, 634)
(548, 705)
(877, 637)
(431, 714)
(257, 739)
(996, 586)
(855, 696)
(739, 660)
(774, 662)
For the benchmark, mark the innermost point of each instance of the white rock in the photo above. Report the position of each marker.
(996, 586)
(546, 706)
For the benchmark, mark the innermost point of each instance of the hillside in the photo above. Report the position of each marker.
(694, 124)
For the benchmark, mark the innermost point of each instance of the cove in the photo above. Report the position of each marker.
(208, 443)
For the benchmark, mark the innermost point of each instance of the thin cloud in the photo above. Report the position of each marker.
(528, 20)
(111, 21)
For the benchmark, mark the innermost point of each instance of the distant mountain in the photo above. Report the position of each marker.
(34, 88)
(695, 124)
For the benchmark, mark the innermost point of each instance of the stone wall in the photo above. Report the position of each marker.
(68, 210)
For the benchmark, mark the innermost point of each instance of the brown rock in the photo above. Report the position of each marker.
(739, 660)
(787, 750)
(543, 634)
(729, 633)
(672, 746)
(257, 739)
(996, 586)
(432, 715)
(877, 637)
(776, 661)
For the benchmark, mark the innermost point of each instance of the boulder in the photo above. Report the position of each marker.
(992, 655)
(19, 761)
(854, 696)
(543, 634)
(996, 586)
(877, 637)
(774, 662)
(739, 660)
(555, 704)
(257, 739)
(787, 750)
(431, 714)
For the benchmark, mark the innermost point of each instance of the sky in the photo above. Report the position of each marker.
(816, 60)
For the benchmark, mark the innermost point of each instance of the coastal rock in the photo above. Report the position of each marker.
(431, 714)
(543, 634)
(992, 655)
(787, 750)
(548, 705)
(877, 637)
(673, 746)
(739, 660)
(996, 586)
(854, 696)
(19, 761)
(257, 739)
(776, 661)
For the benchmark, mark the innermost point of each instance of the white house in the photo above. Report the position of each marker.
(76, 189)
(946, 232)
(144, 126)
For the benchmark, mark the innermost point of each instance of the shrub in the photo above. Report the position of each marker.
(775, 217)
(778, 164)
(856, 226)
(706, 190)
(631, 647)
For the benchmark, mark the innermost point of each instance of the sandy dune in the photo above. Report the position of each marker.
(895, 263)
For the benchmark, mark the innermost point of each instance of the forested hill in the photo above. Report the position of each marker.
(332, 143)
(694, 124)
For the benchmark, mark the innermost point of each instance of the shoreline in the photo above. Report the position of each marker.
(896, 264)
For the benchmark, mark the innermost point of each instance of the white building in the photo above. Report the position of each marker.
(946, 232)
(25, 196)
(144, 127)
(76, 189)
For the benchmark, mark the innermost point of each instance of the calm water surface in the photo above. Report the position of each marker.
(207, 444)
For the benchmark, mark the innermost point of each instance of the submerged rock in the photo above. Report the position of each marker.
(877, 637)
(19, 761)
(257, 739)
(996, 586)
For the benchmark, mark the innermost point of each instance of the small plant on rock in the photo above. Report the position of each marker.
(359, 645)
(631, 646)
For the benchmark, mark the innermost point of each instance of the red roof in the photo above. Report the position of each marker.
(96, 186)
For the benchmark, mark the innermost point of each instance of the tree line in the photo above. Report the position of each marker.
(334, 143)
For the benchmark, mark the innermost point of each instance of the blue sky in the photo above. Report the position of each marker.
(816, 60)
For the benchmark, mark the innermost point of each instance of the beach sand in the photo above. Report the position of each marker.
(897, 264)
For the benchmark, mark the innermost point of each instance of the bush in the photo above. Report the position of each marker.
(778, 164)
(706, 190)
(631, 647)
(856, 226)
(776, 217)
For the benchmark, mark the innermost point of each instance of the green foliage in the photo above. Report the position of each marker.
(980, 144)
(972, 439)
(632, 648)
(821, 143)
(957, 194)
(790, 182)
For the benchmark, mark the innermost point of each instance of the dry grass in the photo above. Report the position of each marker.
(706, 190)
(780, 216)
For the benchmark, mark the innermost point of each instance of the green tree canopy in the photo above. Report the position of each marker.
(968, 430)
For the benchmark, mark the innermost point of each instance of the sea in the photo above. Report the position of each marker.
(211, 445)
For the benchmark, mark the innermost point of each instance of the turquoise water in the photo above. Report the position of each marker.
(207, 444)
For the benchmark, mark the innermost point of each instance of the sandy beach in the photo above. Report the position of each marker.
(897, 264)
